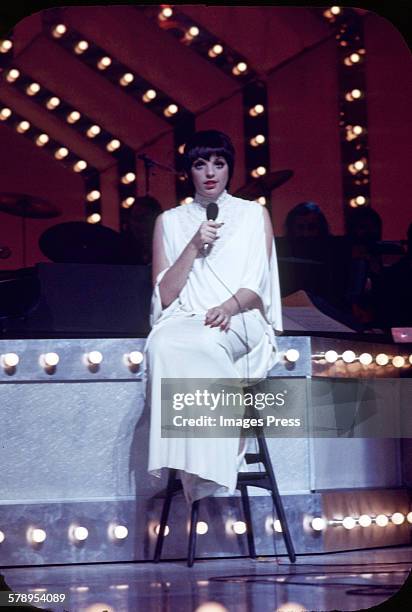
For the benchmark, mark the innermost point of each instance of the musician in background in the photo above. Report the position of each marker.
(215, 308)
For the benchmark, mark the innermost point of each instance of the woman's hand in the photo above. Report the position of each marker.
(206, 234)
(219, 316)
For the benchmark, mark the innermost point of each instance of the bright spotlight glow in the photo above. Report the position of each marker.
(165, 13)
(257, 140)
(80, 165)
(42, 140)
(94, 218)
(81, 47)
(382, 359)
(398, 518)
(166, 530)
(73, 117)
(318, 523)
(202, 527)
(398, 361)
(277, 526)
(104, 63)
(348, 356)
(52, 102)
(348, 522)
(120, 532)
(215, 50)
(2, 537)
(409, 517)
(240, 68)
(382, 520)
(94, 357)
(61, 153)
(126, 79)
(239, 527)
(335, 10)
(5, 113)
(193, 31)
(5, 46)
(93, 131)
(365, 520)
(170, 110)
(93, 195)
(59, 30)
(22, 127)
(259, 171)
(32, 89)
(128, 178)
(261, 200)
(12, 75)
(36, 536)
(79, 533)
(50, 360)
(128, 202)
(113, 145)
(331, 356)
(256, 110)
(365, 359)
(149, 95)
(135, 357)
(292, 355)
(9, 360)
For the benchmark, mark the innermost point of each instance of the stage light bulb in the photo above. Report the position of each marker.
(187, 200)
(240, 68)
(166, 530)
(79, 534)
(165, 13)
(292, 355)
(215, 50)
(382, 359)
(170, 110)
(149, 95)
(93, 131)
(409, 517)
(348, 522)
(113, 145)
(5, 113)
(259, 171)
(80, 165)
(94, 218)
(32, 89)
(358, 201)
(410, 359)
(128, 202)
(398, 518)
(331, 356)
(335, 10)
(52, 102)
(257, 140)
(202, 527)
(118, 532)
(277, 526)
(61, 153)
(92, 196)
(398, 361)
(382, 520)
(193, 31)
(81, 47)
(348, 356)
(239, 527)
(22, 127)
(12, 75)
(126, 79)
(365, 359)
(135, 357)
(104, 62)
(355, 58)
(354, 94)
(5, 46)
(128, 178)
(49, 360)
(36, 536)
(42, 140)
(261, 200)
(73, 117)
(357, 129)
(2, 537)
(365, 520)
(59, 30)
(9, 360)
(318, 523)
(94, 357)
(359, 165)
(256, 110)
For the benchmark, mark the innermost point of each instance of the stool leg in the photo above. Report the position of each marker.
(277, 499)
(192, 534)
(164, 516)
(248, 520)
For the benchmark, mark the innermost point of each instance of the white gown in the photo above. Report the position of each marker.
(181, 346)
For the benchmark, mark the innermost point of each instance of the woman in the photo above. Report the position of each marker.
(215, 306)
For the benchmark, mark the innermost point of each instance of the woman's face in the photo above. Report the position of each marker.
(210, 176)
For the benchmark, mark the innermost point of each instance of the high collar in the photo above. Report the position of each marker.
(203, 201)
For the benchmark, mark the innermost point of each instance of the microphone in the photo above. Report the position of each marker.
(212, 212)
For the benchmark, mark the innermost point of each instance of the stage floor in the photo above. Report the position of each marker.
(342, 581)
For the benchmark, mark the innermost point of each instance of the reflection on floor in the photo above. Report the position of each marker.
(343, 581)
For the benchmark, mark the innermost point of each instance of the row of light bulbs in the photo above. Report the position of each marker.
(51, 359)
(105, 62)
(76, 534)
(364, 520)
(382, 359)
(216, 50)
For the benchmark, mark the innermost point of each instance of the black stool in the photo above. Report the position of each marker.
(265, 480)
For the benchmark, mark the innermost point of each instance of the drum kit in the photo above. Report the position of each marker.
(81, 242)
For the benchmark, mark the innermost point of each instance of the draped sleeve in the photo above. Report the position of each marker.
(260, 273)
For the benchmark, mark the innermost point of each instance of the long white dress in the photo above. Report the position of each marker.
(181, 346)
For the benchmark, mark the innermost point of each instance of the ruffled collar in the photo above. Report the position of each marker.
(203, 201)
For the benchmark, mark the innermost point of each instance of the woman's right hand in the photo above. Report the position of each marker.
(206, 234)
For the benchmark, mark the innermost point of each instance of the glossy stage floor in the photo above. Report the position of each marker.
(355, 580)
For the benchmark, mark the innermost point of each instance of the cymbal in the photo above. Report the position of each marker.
(23, 205)
(262, 185)
(80, 242)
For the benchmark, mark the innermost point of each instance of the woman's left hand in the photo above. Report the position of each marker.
(218, 316)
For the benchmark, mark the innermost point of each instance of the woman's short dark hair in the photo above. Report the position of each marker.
(206, 143)
(302, 209)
